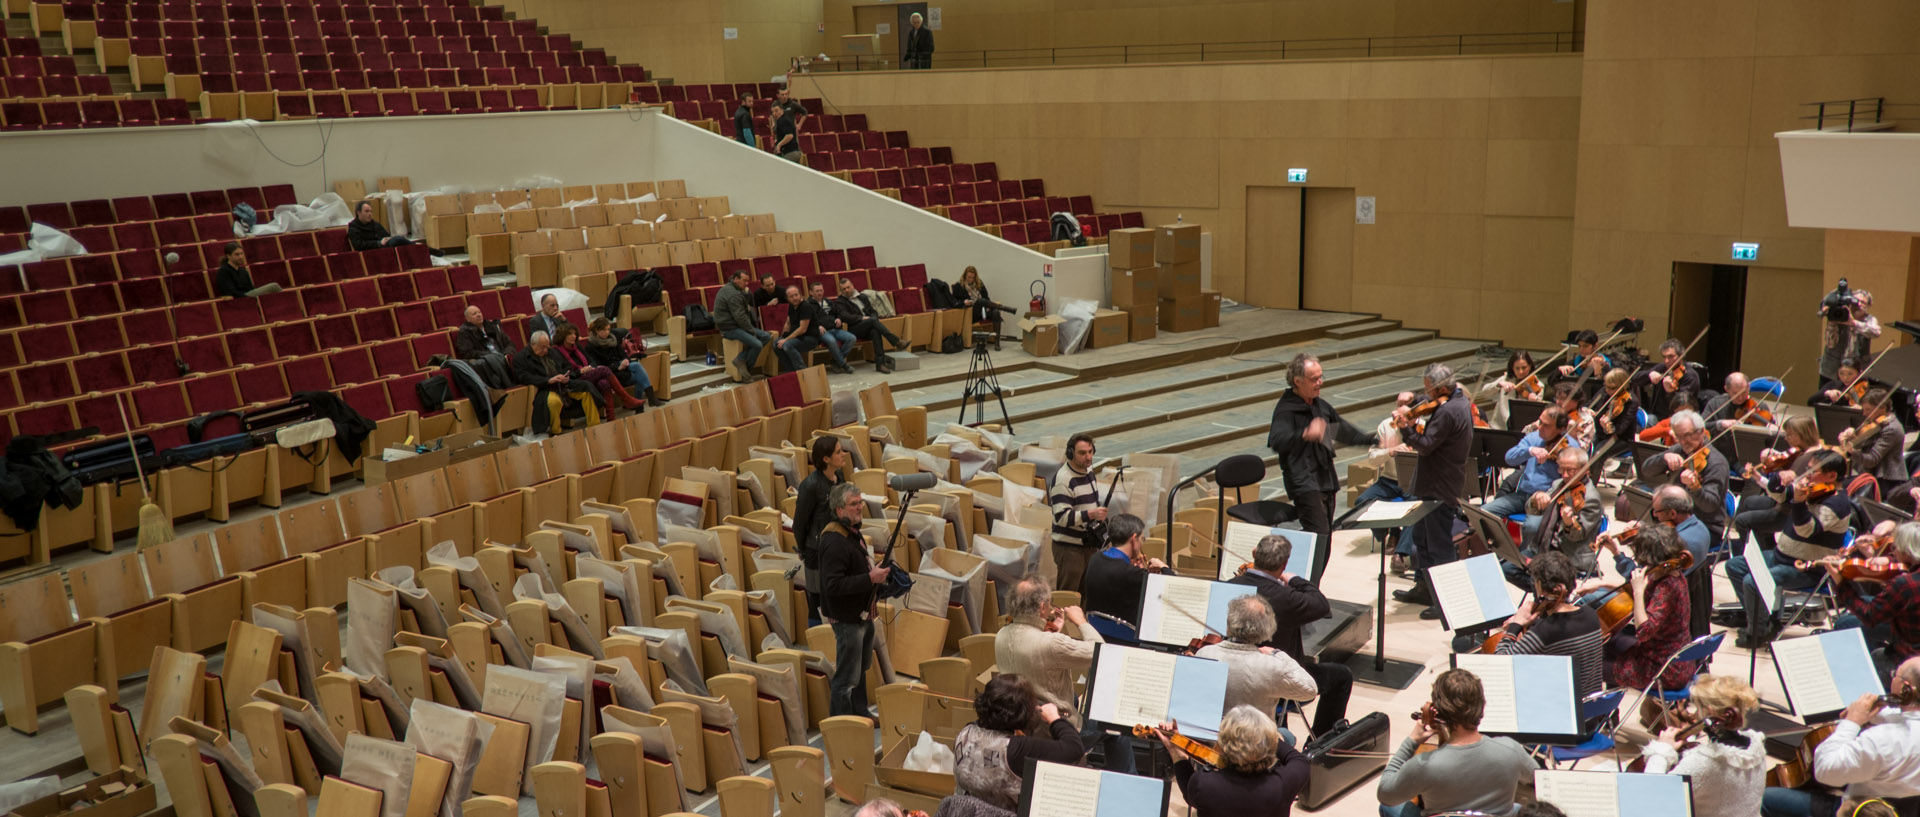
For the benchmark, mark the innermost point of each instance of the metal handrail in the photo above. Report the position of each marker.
(1307, 48)
(1856, 111)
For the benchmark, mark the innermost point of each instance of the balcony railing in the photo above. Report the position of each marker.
(1542, 42)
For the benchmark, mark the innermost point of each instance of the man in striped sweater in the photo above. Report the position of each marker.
(1076, 502)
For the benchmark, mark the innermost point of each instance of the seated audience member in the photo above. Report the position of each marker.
(233, 280)
(1011, 725)
(482, 345)
(1727, 765)
(615, 397)
(1874, 753)
(768, 293)
(549, 319)
(1258, 776)
(364, 233)
(856, 313)
(832, 329)
(622, 356)
(973, 297)
(1296, 602)
(1257, 676)
(540, 366)
(805, 330)
(736, 317)
(1549, 624)
(1113, 583)
(1469, 772)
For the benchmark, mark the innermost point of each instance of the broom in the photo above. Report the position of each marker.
(155, 527)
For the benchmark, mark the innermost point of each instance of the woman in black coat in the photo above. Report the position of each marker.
(1258, 774)
(810, 511)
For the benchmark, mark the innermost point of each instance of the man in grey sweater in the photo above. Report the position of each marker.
(1260, 677)
(1469, 772)
(733, 316)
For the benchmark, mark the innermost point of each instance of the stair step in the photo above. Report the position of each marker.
(1360, 329)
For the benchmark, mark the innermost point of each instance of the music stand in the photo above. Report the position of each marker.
(1381, 671)
(1639, 500)
(1493, 529)
(1749, 441)
(1523, 413)
(1878, 512)
(1834, 419)
(1489, 451)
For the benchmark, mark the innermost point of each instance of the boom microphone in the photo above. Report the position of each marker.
(912, 482)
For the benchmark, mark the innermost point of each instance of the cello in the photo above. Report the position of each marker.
(1617, 610)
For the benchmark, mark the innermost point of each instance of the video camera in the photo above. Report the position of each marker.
(1838, 304)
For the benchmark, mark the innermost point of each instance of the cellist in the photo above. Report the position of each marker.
(1818, 514)
(1890, 618)
(1661, 610)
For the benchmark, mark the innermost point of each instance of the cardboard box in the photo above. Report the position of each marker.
(120, 793)
(1134, 287)
(1175, 243)
(1109, 329)
(379, 470)
(1184, 314)
(1130, 248)
(1180, 280)
(1143, 321)
(892, 770)
(1041, 336)
(467, 445)
(1210, 302)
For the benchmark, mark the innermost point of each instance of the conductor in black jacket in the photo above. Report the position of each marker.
(1296, 603)
(482, 345)
(363, 233)
(855, 311)
(919, 45)
(1304, 431)
(848, 577)
(1443, 444)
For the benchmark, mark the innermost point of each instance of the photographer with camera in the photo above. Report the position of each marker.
(1849, 329)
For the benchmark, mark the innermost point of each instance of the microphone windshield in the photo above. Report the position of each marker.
(912, 482)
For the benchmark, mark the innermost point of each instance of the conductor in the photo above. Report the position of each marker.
(1304, 431)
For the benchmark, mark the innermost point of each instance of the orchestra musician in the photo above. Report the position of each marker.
(1661, 613)
(1757, 513)
(1661, 430)
(1548, 624)
(1117, 576)
(1890, 618)
(1846, 388)
(1011, 725)
(1579, 422)
(1586, 355)
(1619, 420)
(1469, 772)
(1876, 442)
(1874, 752)
(1518, 383)
(1303, 433)
(1052, 660)
(1535, 459)
(1696, 466)
(1296, 602)
(1737, 406)
(1673, 376)
(1817, 513)
(1258, 775)
(1387, 485)
(1577, 514)
(1443, 445)
(1726, 763)
(1257, 676)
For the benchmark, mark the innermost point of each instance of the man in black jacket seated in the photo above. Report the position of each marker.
(848, 576)
(540, 366)
(855, 312)
(1304, 431)
(1113, 585)
(480, 342)
(364, 233)
(233, 280)
(1296, 603)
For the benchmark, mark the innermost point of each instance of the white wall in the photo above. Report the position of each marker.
(1852, 181)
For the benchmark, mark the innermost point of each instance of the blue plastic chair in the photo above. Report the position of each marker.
(1696, 651)
(1768, 386)
(1592, 709)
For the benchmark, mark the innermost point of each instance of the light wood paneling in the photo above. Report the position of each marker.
(1781, 329)
(1327, 255)
(1273, 247)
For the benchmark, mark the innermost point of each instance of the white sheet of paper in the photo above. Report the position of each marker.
(1163, 625)
(1064, 791)
(1762, 577)
(1383, 510)
(1803, 665)
(1453, 591)
(1579, 793)
(1497, 682)
(1241, 543)
(1143, 696)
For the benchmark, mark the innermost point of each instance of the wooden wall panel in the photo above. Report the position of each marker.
(1781, 329)
(1272, 266)
(1327, 271)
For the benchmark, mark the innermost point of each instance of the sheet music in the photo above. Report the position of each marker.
(1243, 537)
(1579, 794)
(1496, 681)
(1453, 591)
(1803, 666)
(1762, 578)
(1187, 594)
(1472, 591)
(1146, 685)
(1064, 791)
(1384, 510)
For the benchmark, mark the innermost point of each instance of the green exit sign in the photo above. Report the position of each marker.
(1743, 251)
(1296, 175)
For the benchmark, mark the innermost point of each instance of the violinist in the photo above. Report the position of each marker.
(1117, 576)
(1257, 676)
(1443, 446)
(1673, 376)
(1694, 465)
(1047, 657)
(1579, 424)
(1469, 772)
(1570, 509)
(1661, 430)
(1890, 618)
(1619, 420)
(1387, 485)
(1874, 444)
(1258, 775)
(1725, 762)
(1296, 602)
(1011, 725)
(1757, 513)
(1847, 388)
(1660, 616)
(1586, 356)
(1737, 407)
(1818, 513)
(1874, 752)
(1535, 458)
(1518, 383)
(1548, 624)
(1304, 432)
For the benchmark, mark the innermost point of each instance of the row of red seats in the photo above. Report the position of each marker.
(327, 55)
(239, 10)
(214, 27)
(354, 104)
(446, 78)
(138, 264)
(900, 178)
(725, 92)
(830, 138)
(68, 85)
(96, 113)
(63, 215)
(447, 46)
(1092, 225)
(798, 264)
(20, 46)
(1014, 206)
(883, 279)
(36, 66)
(891, 158)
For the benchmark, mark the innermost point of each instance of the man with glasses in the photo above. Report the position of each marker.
(1691, 464)
(1656, 392)
(1304, 431)
(1075, 497)
(848, 576)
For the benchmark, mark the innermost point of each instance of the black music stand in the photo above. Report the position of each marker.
(1834, 419)
(1381, 671)
(1489, 453)
(1523, 413)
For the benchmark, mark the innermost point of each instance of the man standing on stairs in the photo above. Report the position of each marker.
(1304, 432)
(1443, 444)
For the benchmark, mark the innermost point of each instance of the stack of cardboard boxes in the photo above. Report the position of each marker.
(1184, 306)
(1133, 280)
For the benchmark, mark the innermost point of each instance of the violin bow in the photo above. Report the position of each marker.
(1863, 372)
(1191, 617)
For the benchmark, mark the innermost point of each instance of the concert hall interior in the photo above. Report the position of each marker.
(867, 408)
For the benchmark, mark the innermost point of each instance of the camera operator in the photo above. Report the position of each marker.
(1849, 329)
(855, 313)
(973, 296)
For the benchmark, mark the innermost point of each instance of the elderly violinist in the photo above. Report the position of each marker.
(1694, 465)
(1443, 443)
(1736, 406)
(1818, 513)
(1257, 676)
(1564, 518)
(1296, 602)
(1890, 618)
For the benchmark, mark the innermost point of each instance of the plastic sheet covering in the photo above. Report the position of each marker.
(619, 580)
(629, 688)
(327, 210)
(662, 567)
(533, 698)
(783, 463)
(777, 681)
(924, 462)
(1047, 459)
(1139, 493)
(472, 579)
(967, 572)
(716, 619)
(426, 611)
(846, 407)
(584, 640)
(1007, 560)
(671, 647)
(453, 735)
(43, 242)
(972, 459)
(397, 212)
(756, 492)
(579, 674)
(1040, 538)
(654, 740)
(569, 299)
(1078, 315)
(713, 712)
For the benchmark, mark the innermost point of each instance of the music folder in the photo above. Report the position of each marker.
(1472, 592)
(1131, 686)
(1243, 537)
(1529, 697)
(1059, 790)
(1826, 672)
(1161, 623)
(1762, 577)
(1595, 793)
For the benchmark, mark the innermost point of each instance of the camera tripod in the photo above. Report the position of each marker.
(982, 380)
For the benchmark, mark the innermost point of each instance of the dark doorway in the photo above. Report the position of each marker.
(1710, 294)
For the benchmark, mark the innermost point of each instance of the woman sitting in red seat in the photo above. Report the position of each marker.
(566, 340)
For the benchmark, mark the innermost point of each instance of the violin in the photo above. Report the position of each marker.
(1626, 533)
(1054, 624)
(1201, 753)
(1195, 645)
(1864, 434)
(1773, 462)
(1876, 569)
(1416, 416)
(1818, 491)
(1682, 716)
(1529, 388)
